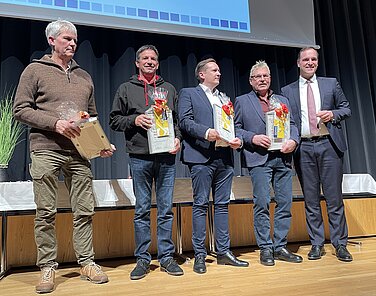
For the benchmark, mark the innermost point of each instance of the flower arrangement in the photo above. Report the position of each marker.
(160, 109)
(10, 129)
(281, 118)
(160, 106)
(282, 111)
(228, 108)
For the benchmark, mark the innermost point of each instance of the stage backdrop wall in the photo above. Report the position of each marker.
(345, 30)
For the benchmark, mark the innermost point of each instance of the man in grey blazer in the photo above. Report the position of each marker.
(210, 166)
(267, 166)
(319, 157)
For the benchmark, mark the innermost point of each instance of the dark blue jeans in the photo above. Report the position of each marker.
(276, 173)
(161, 169)
(215, 176)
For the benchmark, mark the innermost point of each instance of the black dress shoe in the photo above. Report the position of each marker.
(285, 254)
(141, 270)
(316, 252)
(229, 259)
(343, 254)
(172, 267)
(199, 265)
(266, 257)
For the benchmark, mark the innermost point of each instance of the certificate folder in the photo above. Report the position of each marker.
(223, 124)
(158, 141)
(277, 129)
(92, 139)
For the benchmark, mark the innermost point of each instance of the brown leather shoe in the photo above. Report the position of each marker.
(93, 273)
(47, 280)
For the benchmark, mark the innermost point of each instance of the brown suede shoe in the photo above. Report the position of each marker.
(47, 280)
(93, 272)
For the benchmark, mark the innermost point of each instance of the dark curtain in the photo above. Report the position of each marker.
(345, 30)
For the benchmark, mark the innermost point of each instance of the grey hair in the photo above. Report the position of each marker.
(258, 65)
(146, 47)
(201, 66)
(54, 29)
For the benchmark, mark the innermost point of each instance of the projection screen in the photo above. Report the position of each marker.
(274, 22)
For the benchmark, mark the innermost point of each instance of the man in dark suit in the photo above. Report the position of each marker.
(319, 157)
(267, 166)
(210, 167)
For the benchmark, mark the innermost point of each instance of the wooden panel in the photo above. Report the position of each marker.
(114, 234)
(186, 225)
(21, 246)
(241, 225)
(361, 218)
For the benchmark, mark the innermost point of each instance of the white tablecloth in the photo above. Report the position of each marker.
(358, 183)
(19, 195)
(107, 193)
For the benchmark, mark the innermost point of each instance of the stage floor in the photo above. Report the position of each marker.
(327, 276)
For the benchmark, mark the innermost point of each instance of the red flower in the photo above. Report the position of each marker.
(84, 115)
(284, 108)
(160, 106)
(282, 112)
(228, 108)
(278, 112)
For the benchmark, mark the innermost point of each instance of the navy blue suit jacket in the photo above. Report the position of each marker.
(195, 118)
(250, 121)
(332, 98)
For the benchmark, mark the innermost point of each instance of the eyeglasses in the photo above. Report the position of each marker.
(259, 77)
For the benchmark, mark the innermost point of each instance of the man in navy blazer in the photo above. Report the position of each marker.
(211, 167)
(267, 166)
(319, 157)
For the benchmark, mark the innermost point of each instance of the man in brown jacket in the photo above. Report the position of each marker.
(49, 92)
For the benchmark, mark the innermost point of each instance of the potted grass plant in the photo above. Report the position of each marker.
(10, 132)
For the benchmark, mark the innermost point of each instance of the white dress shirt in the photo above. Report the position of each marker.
(212, 96)
(305, 132)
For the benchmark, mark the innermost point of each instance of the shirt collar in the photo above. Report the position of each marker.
(302, 80)
(207, 89)
(270, 93)
(68, 66)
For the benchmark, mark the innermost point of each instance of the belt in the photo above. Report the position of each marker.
(315, 139)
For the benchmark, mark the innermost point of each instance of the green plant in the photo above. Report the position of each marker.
(10, 129)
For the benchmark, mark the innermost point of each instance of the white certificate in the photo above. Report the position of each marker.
(277, 129)
(161, 137)
(223, 123)
(92, 139)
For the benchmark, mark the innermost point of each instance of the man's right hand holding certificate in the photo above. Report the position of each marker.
(265, 142)
(289, 146)
(213, 135)
(143, 121)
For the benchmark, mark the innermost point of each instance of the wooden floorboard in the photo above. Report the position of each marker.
(327, 276)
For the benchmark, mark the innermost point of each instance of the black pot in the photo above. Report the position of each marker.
(4, 177)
